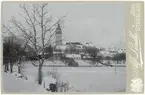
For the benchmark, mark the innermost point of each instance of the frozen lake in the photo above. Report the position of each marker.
(86, 79)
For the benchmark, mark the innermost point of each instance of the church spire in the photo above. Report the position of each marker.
(58, 29)
(58, 35)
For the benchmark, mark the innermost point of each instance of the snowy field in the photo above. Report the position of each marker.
(95, 79)
(83, 79)
(12, 84)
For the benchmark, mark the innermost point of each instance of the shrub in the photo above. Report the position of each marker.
(60, 85)
(71, 62)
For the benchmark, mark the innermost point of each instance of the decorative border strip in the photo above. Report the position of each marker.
(135, 48)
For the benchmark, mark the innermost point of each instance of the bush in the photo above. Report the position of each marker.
(71, 62)
(60, 85)
(119, 57)
(63, 86)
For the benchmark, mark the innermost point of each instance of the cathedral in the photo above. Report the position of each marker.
(68, 47)
(61, 47)
(58, 35)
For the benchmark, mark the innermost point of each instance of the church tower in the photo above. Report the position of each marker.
(58, 35)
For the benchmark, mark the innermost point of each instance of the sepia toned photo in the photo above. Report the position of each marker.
(54, 47)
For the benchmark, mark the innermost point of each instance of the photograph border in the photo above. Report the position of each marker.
(134, 37)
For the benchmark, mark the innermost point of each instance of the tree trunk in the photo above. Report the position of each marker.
(56, 87)
(7, 66)
(40, 73)
(19, 65)
(11, 67)
(19, 68)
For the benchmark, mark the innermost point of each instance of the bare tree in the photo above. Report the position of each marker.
(119, 57)
(14, 50)
(93, 51)
(38, 28)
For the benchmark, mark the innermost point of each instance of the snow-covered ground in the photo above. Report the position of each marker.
(87, 79)
(12, 84)
(83, 63)
(49, 63)
(83, 79)
(94, 79)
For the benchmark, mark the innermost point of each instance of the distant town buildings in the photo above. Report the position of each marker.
(79, 47)
(110, 51)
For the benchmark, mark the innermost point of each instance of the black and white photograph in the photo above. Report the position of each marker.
(53, 47)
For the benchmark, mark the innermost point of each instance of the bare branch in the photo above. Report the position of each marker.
(49, 29)
(33, 23)
(18, 39)
(23, 30)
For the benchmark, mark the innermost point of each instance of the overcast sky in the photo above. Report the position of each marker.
(96, 22)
